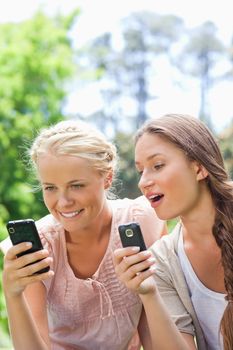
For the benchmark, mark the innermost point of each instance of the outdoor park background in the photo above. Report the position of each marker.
(152, 63)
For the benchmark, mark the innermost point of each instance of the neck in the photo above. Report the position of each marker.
(198, 223)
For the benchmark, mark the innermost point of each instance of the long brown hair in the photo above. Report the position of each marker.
(198, 143)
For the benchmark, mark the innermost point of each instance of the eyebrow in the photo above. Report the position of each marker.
(151, 156)
(70, 182)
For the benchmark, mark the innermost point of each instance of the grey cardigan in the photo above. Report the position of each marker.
(173, 288)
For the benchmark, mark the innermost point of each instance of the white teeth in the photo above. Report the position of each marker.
(153, 197)
(70, 215)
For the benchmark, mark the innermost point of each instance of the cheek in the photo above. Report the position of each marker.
(184, 187)
(47, 199)
(170, 179)
(175, 182)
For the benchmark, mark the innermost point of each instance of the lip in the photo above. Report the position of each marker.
(156, 203)
(70, 214)
(149, 195)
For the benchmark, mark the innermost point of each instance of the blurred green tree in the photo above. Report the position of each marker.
(199, 57)
(124, 73)
(147, 37)
(36, 60)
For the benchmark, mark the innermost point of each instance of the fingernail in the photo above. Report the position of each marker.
(136, 249)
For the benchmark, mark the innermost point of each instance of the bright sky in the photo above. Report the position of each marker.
(104, 15)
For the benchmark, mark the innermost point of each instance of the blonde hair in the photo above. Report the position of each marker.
(75, 138)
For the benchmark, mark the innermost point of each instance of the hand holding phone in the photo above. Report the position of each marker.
(26, 231)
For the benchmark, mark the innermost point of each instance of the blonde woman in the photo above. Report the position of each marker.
(79, 303)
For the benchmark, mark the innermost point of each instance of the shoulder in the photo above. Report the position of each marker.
(139, 210)
(165, 249)
(141, 204)
(50, 231)
(138, 205)
(48, 225)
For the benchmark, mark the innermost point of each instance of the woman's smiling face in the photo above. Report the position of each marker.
(168, 179)
(73, 191)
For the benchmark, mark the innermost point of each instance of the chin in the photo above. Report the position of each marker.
(165, 216)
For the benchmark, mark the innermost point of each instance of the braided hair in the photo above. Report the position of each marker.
(198, 143)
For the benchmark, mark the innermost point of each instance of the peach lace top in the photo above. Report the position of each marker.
(98, 313)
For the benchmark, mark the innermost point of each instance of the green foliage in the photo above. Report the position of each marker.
(127, 173)
(171, 224)
(36, 61)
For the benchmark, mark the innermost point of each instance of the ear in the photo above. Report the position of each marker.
(201, 172)
(108, 180)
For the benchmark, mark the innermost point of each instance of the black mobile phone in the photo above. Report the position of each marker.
(131, 235)
(25, 231)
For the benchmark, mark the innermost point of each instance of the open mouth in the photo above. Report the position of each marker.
(156, 198)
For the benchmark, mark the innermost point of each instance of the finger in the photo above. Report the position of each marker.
(16, 279)
(120, 253)
(142, 282)
(17, 249)
(21, 283)
(131, 270)
(130, 260)
(34, 268)
(32, 258)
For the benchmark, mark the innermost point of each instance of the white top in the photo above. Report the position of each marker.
(208, 305)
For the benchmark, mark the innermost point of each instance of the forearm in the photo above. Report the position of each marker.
(24, 332)
(164, 333)
(135, 270)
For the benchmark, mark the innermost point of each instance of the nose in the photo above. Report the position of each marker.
(65, 200)
(145, 181)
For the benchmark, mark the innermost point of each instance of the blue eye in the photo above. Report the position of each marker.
(49, 188)
(76, 186)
